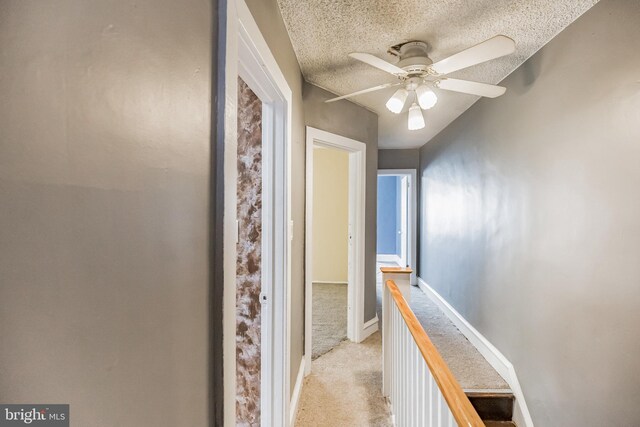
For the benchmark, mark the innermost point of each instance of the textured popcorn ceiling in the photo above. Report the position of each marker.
(324, 32)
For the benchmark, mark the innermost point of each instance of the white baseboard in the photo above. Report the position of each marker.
(495, 358)
(388, 258)
(295, 398)
(329, 282)
(370, 327)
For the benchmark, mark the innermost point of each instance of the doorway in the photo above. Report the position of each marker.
(330, 249)
(249, 248)
(349, 199)
(257, 224)
(396, 226)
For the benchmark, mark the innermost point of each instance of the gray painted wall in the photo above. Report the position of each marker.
(104, 185)
(532, 225)
(352, 121)
(399, 159)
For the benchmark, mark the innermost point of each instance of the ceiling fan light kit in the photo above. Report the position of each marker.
(416, 119)
(395, 104)
(426, 97)
(417, 72)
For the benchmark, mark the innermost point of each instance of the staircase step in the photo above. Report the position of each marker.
(499, 424)
(492, 406)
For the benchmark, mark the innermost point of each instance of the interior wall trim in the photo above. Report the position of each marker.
(500, 363)
(297, 392)
(388, 258)
(329, 282)
(370, 327)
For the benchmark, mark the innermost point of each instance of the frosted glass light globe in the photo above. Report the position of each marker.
(416, 119)
(426, 97)
(395, 104)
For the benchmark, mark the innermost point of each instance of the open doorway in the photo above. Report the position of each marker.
(334, 241)
(249, 283)
(396, 236)
(257, 237)
(330, 261)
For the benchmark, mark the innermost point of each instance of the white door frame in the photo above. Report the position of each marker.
(249, 57)
(357, 190)
(404, 222)
(412, 207)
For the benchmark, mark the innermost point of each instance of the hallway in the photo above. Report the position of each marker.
(197, 198)
(344, 387)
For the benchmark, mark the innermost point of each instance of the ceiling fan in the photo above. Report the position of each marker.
(418, 74)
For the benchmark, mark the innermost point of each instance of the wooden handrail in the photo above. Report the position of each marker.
(461, 408)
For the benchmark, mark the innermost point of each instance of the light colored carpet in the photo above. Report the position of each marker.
(329, 317)
(344, 388)
(466, 363)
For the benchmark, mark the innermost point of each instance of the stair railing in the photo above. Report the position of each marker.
(416, 380)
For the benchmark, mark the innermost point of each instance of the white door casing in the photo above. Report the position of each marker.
(248, 56)
(356, 273)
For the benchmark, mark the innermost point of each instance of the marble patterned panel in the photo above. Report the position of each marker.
(248, 270)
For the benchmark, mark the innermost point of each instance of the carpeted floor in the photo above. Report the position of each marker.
(344, 388)
(466, 363)
(329, 317)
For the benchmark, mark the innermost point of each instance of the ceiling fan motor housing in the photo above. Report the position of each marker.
(413, 57)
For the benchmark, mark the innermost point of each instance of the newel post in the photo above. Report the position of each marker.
(402, 278)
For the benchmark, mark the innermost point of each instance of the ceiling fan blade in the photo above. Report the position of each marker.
(360, 92)
(381, 64)
(472, 88)
(493, 48)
